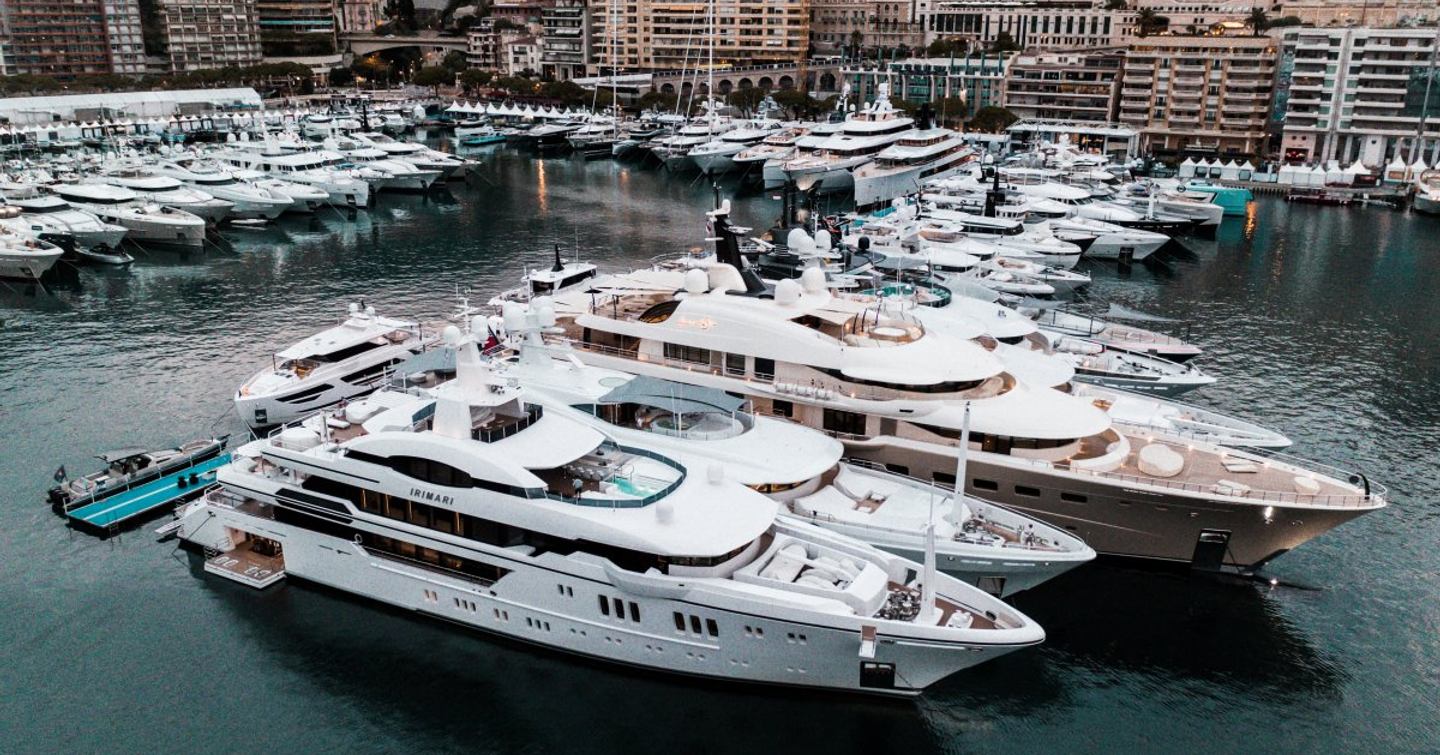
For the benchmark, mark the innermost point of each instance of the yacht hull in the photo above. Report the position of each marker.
(871, 190)
(524, 604)
(1140, 522)
(1427, 204)
(27, 267)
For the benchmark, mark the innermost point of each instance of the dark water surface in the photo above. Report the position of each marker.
(1323, 322)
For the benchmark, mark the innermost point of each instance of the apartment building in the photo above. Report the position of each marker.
(979, 80)
(1070, 85)
(836, 25)
(296, 27)
(69, 38)
(673, 34)
(210, 33)
(1028, 23)
(1348, 94)
(1199, 95)
(566, 44)
(1361, 13)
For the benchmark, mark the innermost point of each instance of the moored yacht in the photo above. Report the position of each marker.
(348, 360)
(894, 390)
(49, 213)
(471, 504)
(901, 169)
(168, 192)
(863, 135)
(325, 172)
(977, 541)
(26, 258)
(144, 223)
(248, 200)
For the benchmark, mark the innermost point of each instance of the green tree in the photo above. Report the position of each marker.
(798, 104)
(992, 119)
(455, 61)
(745, 99)
(948, 48)
(1258, 21)
(949, 110)
(1003, 43)
(474, 78)
(1115, 5)
(1148, 22)
(857, 38)
(433, 77)
(660, 101)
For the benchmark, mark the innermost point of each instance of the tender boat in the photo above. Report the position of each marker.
(127, 468)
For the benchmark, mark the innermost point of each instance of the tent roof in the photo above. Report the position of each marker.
(673, 397)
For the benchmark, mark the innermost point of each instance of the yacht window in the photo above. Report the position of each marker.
(679, 622)
(848, 423)
(980, 484)
(694, 624)
(634, 612)
(943, 478)
(340, 355)
(735, 364)
(1027, 491)
(782, 408)
(764, 369)
(604, 605)
(1074, 498)
(712, 628)
(619, 608)
(690, 354)
(659, 312)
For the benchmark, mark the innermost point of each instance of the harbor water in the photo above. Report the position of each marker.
(1322, 322)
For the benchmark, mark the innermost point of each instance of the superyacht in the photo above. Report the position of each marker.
(895, 391)
(470, 504)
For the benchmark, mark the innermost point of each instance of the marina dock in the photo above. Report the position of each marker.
(113, 512)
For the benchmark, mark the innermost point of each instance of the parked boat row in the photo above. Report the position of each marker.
(92, 206)
(782, 460)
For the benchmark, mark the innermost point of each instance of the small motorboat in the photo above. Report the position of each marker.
(128, 467)
(1096, 363)
(102, 255)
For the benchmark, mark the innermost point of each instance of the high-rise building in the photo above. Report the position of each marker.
(210, 33)
(565, 51)
(296, 27)
(673, 34)
(1072, 85)
(1348, 94)
(837, 25)
(1027, 23)
(1199, 95)
(71, 37)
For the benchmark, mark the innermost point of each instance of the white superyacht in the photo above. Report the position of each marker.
(348, 360)
(469, 504)
(894, 390)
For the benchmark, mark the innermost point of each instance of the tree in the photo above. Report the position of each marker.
(948, 48)
(949, 110)
(797, 103)
(1115, 5)
(1003, 43)
(341, 77)
(992, 119)
(1147, 22)
(455, 61)
(474, 78)
(857, 38)
(1258, 21)
(661, 101)
(372, 68)
(433, 77)
(745, 99)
